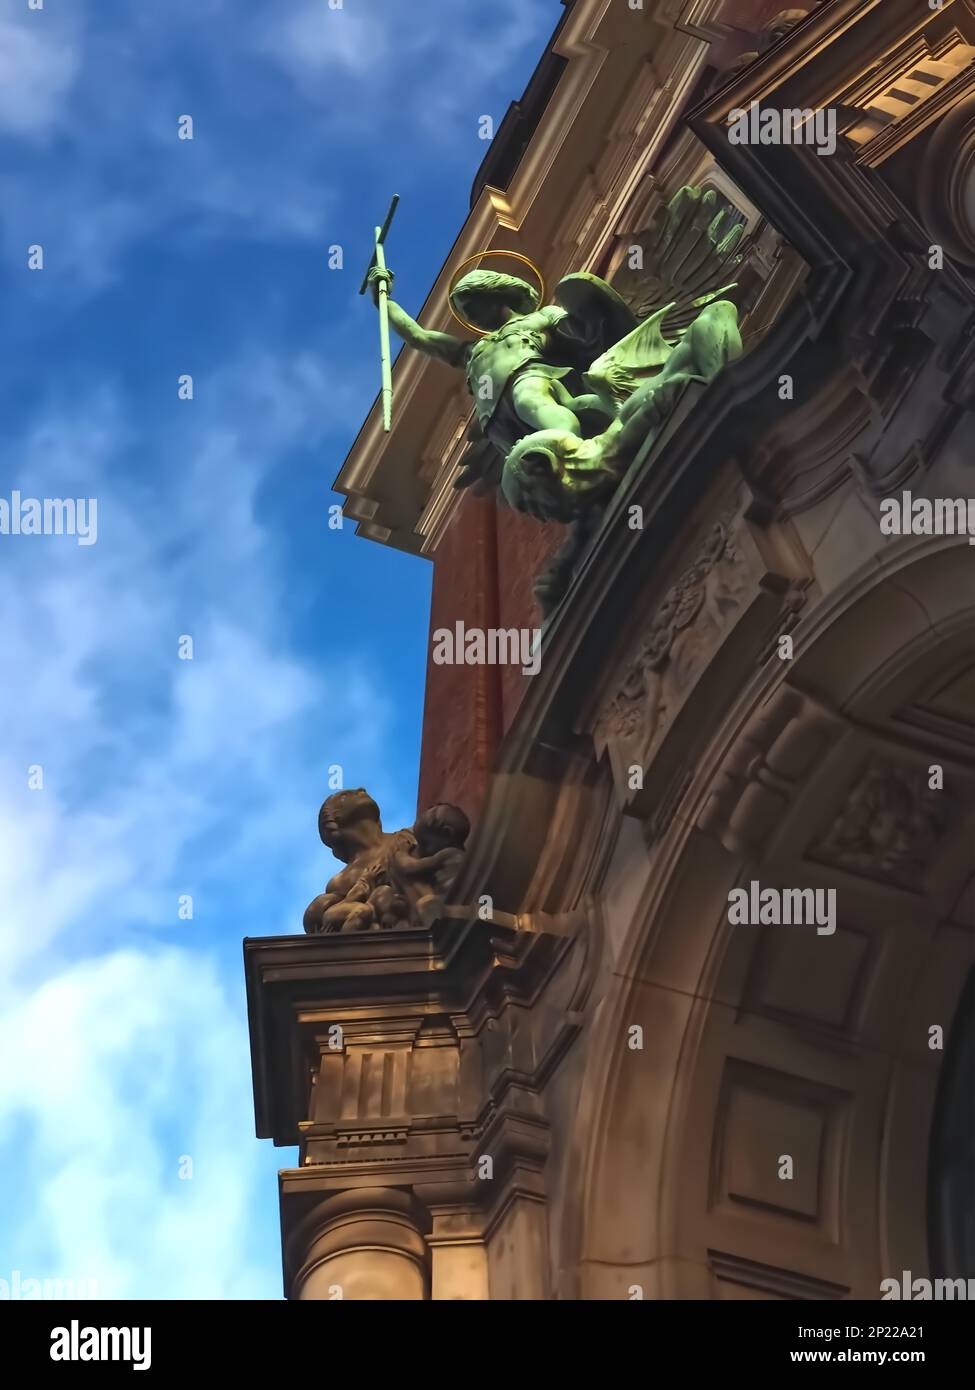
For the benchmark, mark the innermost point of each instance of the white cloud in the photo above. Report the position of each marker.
(125, 1045)
(40, 58)
(312, 40)
(113, 171)
(104, 1053)
(282, 97)
(151, 745)
(123, 1031)
(421, 65)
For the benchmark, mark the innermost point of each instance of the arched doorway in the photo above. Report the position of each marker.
(856, 772)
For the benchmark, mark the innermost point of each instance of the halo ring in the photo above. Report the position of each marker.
(480, 256)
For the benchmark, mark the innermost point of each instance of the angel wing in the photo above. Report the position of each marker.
(617, 374)
(687, 258)
(677, 264)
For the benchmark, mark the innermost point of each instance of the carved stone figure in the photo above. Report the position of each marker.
(890, 826)
(386, 875)
(430, 866)
(776, 29)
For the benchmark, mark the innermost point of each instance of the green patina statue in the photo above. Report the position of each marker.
(555, 475)
(566, 394)
(516, 370)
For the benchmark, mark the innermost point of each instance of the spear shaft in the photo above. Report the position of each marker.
(382, 296)
(387, 368)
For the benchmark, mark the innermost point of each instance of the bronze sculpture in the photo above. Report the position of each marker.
(565, 394)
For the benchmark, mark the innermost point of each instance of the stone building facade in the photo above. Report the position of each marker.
(590, 1090)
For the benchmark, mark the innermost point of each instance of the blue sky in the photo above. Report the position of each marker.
(122, 1027)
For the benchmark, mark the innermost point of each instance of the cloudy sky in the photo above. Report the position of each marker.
(130, 778)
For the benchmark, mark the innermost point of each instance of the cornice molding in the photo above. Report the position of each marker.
(382, 988)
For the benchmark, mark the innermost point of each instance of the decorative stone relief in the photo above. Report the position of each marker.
(777, 28)
(686, 628)
(890, 826)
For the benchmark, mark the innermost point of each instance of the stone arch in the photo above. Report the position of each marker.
(757, 1044)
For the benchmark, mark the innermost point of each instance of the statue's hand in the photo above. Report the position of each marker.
(377, 276)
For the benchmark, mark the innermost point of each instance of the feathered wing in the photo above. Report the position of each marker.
(688, 257)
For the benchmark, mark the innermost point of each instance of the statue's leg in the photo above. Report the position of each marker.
(314, 912)
(348, 916)
(537, 404)
(552, 583)
(711, 341)
(389, 907)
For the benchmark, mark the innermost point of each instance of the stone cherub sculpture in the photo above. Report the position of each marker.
(565, 394)
(430, 865)
(387, 875)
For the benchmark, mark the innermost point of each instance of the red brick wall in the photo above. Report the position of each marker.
(524, 546)
(484, 569)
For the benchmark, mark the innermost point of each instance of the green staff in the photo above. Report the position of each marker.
(378, 263)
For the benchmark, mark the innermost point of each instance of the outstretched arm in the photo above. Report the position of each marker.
(411, 867)
(443, 346)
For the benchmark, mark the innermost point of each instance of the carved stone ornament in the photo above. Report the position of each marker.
(693, 615)
(890, 826)
(388, 877)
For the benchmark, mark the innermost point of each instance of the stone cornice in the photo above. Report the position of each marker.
(381, 987)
